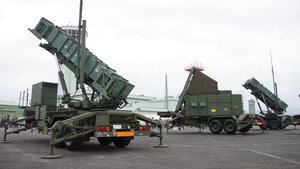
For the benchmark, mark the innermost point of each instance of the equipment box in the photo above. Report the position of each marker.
(44, 93)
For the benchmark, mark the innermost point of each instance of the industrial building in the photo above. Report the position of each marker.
(11, 109)
(251, 103)
(149, 106)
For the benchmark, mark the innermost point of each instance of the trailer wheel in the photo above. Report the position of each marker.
(72, 144)
(245, 129)
(230, 126)
(105, 141)
(215, 126)
(274, 124)
(60, 134)
(121, 141)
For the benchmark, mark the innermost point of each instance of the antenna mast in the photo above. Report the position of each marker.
(274, 83)
(81, 53)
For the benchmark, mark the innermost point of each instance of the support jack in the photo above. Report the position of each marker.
(51, 155)
(160, 145)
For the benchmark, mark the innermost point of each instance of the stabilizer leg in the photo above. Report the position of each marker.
(160, 145)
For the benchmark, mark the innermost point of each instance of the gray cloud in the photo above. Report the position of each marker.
(144, 40)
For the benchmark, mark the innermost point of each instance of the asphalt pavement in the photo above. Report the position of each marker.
(187, 149)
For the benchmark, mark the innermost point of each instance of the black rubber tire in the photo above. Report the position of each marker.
(121, 142)
(245, 129)
(72, 144)
(215, 126)
(105, 141)
(60, 134)
(274, 124)
(230, 126)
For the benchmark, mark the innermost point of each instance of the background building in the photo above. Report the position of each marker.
(10, 108)
(149, 106)
(251, 106)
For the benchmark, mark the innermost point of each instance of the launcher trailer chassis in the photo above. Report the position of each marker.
(94, 116)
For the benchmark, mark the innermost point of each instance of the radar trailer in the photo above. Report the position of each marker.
(201, 104)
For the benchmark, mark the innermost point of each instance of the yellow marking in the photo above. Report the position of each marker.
(125, 134)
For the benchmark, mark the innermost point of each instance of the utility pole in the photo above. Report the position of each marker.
(27, 97)
(166, 93)
(20, 98)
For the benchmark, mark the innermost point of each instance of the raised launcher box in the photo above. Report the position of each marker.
(98, 75)
(44, 93)
(259, 89)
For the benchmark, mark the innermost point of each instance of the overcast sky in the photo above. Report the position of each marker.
(145, 39)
